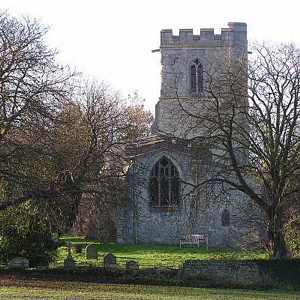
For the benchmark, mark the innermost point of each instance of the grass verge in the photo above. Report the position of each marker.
(83, 291)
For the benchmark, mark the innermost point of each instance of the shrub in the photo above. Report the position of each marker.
(292, 234)
(23, 232)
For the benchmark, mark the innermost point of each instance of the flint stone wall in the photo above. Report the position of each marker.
(201, 213)
(198, 212)
(177, 53)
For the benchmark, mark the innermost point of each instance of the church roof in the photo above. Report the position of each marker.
(154, 141)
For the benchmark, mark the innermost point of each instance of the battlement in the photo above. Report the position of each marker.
(234, 34)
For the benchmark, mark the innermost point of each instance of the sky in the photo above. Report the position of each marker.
(111, 40)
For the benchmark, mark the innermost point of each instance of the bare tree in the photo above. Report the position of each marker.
(113, 123)
(254, 132)
(61, 140)
(33, 88)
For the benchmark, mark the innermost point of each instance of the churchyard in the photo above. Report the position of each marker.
(82, 282)
(156, 274)
(212, 165)
(148, 256)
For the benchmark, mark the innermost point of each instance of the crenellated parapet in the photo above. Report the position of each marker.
(234, 34)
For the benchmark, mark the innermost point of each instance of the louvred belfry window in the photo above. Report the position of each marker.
(196, 77)
(164, 184)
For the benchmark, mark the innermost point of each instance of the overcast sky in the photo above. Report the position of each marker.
(111, 40)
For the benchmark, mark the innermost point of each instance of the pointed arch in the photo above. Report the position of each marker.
(196, 77)
(200, 78)
(164, 184)
(193, 79)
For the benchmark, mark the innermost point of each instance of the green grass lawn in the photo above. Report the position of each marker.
(147, 256)
(151, 255)
(82, 291)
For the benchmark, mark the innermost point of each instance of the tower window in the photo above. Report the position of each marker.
(225, 218)
(164, 184)
(196, 77)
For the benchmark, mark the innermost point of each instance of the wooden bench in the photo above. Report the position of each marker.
(194, 239)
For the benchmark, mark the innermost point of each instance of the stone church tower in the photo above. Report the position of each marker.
(163, 204)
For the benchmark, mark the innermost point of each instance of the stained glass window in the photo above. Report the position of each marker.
(164, 184)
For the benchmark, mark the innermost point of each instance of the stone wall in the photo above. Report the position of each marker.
(215, 53)
(249, 273)
(197, 212)
(242, 273)
(235, 33)
(140, 222)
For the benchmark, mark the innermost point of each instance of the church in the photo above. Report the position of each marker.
(165, 201)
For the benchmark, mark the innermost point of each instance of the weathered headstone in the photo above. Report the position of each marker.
(18, 263)
(78, 248)
(110, 261)
(91, 252)
(132, 265)
(69, 262)
(55, 238)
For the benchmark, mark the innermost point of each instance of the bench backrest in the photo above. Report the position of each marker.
(195, 237)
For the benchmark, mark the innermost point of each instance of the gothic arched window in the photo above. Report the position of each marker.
(225, 218)
(164, 184)
(196, 77)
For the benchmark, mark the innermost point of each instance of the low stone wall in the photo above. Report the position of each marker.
(242, 273)
(195, 273)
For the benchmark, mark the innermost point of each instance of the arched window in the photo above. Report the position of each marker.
(164, 184)
(225, 218)
(196, 77)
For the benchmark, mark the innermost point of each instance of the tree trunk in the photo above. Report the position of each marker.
(279, 247)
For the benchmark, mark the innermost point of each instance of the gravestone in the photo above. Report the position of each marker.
(18, 263)
(91, 252)
(69, 262)
(132, 265)
(78, 248)
(110, 261)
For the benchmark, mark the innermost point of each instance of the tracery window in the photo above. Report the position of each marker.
(164, 184)
(225, 218)
(196, 77)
